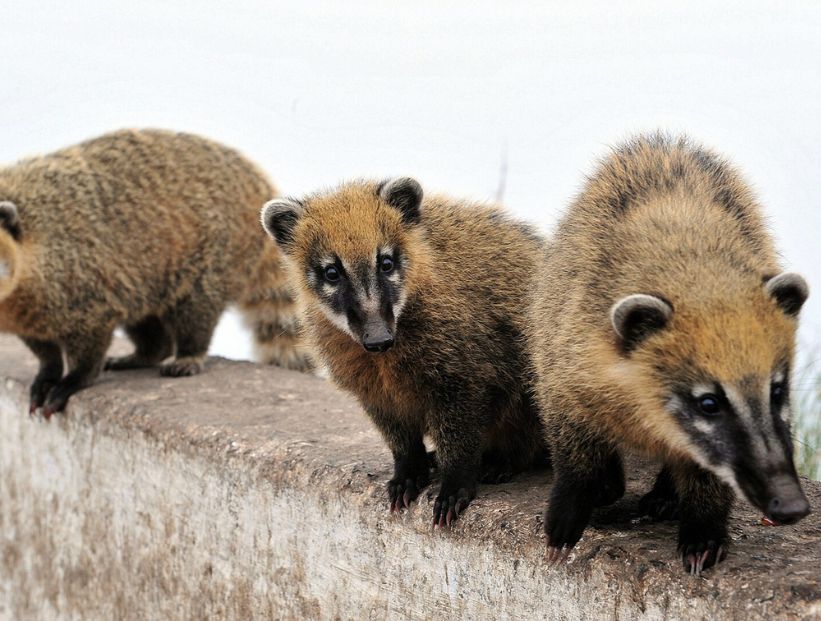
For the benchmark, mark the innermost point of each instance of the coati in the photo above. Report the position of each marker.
(416, 307)
(152, 230)
(662, 322)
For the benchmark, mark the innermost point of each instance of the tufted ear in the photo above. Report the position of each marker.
(9, 220)
(637, 316)
(790, 291)
(279, 217)
(404, 194)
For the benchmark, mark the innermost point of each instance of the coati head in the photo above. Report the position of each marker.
(9, 252)
(353, 253)
(720, 370)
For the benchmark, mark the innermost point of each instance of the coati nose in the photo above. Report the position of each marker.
(378, 344)
(788, 504)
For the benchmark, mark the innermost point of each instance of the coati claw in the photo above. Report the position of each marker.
(401, 494)
(697, 557)
(447, 509)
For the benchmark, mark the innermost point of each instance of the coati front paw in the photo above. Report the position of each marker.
(182, 367)
(567, 515)
(402, 492)
(39, 392)
(454, 496)
(660, 505)
(701, 546)
(56, 400)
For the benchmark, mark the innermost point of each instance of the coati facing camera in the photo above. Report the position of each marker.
(417, 309)
(153, 230)
(663, 323)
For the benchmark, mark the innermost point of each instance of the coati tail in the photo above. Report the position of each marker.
(270, 311)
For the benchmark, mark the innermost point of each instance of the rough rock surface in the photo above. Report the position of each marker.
(254, 492)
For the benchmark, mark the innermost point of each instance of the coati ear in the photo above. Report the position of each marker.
(9, 219)
(636, 317)
(404, 194)
(279, 217)
(790, 291)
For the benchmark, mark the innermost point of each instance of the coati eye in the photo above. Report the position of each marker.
(777, 394)
(386, 265)
(331, 273)
(709, 404)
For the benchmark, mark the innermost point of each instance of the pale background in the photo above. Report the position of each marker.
(324, 91)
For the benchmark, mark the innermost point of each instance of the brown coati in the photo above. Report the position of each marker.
(663, 323)
(152, 230)
(417, 309)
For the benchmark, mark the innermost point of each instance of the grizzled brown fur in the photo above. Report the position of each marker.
(659, 326)
(438, 287)
(153, 230)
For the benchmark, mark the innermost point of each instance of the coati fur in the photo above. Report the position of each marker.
(416, 307)
(152, 230)
(662, 323)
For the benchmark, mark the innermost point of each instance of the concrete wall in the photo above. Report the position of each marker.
(252, 492)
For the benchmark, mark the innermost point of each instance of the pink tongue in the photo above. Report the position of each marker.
(768, 522)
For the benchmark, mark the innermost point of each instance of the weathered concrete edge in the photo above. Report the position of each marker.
(318, 530)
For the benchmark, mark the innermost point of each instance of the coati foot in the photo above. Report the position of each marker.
(660, 505)
(452, 500)
(700, 548)
(56, 401)
(39, 392)
(182, 367)
(401, 493)
(567, 515)
(496, 470)
(123, 363)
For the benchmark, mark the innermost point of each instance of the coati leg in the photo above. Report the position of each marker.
(50, 357)
(705, 503)
(588, 474)
(458, 434)
(192, 322)
(661, 502)
(85, 354)
(411, 461)
(153, 343)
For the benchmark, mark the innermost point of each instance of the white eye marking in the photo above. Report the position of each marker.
(5, 270)
(699, 390)
(778, 377)
(704, 426)
(337, 319)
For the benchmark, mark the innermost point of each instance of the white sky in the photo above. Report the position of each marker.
(321, 92)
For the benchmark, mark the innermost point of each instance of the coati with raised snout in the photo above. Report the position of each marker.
(664, 323)
(416, 307)
(153, 230)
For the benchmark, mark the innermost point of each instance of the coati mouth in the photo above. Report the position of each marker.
(783, 502)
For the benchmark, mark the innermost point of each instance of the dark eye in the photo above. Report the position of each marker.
(386, 265)
(331, 273)
(709, 404)
(777, 393)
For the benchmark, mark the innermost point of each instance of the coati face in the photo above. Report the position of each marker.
(352, 253)
(721, 373)
(9, 254)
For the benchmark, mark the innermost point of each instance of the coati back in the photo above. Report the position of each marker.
(417, 309)
(663, 323)
(153, 230)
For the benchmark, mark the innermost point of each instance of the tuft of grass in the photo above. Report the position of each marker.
(807, 425)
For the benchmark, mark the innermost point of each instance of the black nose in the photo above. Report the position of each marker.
(377, 345)
(788, 509)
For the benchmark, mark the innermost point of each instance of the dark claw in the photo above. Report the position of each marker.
(699, 556)
(48, 412)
